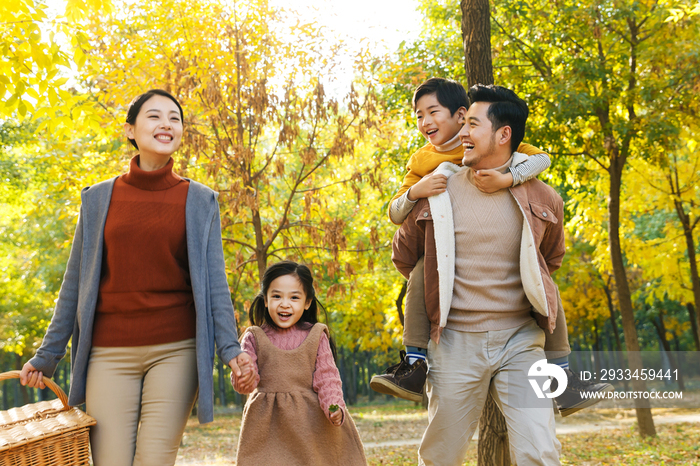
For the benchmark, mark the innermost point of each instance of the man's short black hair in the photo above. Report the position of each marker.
(450, 94)
(506, 109)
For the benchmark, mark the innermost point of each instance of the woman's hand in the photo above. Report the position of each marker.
(31, 377)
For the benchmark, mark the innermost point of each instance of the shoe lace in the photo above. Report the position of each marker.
(405, 367)
(575, 383)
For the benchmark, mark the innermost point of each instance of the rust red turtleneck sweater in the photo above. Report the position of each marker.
(145, 290)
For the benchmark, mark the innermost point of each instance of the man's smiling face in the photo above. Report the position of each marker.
(477, 136)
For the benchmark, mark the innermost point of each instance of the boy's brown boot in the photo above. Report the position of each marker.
(573, 400)
(403, 380)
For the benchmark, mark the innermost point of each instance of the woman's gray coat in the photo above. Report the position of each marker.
(75, 309)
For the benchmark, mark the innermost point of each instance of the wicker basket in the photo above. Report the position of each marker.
(44, 433)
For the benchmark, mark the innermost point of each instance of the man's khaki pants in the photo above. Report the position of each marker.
(463, 368)
(154, 386)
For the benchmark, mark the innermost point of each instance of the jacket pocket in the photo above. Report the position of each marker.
(543, 212)
(423, 213)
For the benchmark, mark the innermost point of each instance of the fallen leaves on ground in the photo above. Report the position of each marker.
(675, 444)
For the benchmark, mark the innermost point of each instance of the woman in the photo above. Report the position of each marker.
(145, 299)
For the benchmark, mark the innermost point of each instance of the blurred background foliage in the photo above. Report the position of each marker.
(305, 164)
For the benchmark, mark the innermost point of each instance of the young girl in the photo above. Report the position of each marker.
(296, 414)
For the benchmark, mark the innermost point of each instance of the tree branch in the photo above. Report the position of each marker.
(235, 241)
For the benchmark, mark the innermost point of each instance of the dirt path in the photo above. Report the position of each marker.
(394, 430)
(564, 427)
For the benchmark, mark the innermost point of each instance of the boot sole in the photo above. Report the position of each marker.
(380, 385)
(585, 403)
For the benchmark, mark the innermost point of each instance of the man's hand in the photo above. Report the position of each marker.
(243, 374)
(31, 377)
(430, 185)
(489, 180)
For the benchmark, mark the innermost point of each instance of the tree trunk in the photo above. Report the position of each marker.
(352, 398)
(476, 36)
(693, 324)
(624, 296)
(222, 384)
(342, 368)
(23, 391)
(616, 333)
(613, 320)
(493, 449)
(597, 347)
(618, 154)
(5, 398)
(692, 260)
(661, 331)
(493, 436)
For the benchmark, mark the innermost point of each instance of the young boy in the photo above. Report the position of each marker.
(440, 106)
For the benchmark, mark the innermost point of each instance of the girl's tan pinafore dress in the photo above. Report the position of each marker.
(283, 423)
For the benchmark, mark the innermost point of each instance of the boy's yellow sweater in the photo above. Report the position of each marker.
(427, 158)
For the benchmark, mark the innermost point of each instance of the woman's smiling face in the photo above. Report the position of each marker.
(286, 301)
(157, 129)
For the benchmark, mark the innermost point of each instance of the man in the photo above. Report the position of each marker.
(488, 260)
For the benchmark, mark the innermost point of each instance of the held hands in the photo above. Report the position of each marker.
(243, 373)
(31, 377)
(430, 185)
(489, 180)
(335, 414)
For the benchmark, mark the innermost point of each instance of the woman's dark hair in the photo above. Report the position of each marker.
(139, 100)
(258, 312)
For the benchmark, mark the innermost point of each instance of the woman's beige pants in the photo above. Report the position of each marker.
(141, 398)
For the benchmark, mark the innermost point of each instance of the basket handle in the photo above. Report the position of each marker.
(49, 383)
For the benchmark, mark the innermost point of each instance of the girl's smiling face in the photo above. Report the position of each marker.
(286, 301)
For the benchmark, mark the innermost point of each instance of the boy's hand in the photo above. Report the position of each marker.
(429, 185)
(489, 180)
(336, 416)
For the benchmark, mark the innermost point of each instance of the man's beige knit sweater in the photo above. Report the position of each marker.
(488, 292)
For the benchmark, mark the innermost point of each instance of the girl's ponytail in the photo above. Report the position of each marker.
(258, 311)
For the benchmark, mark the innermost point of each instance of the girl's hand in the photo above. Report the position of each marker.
(243, 374)
(31, 377)
(336, 416)
(489, 180)
(244, 388)
(429, 185)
